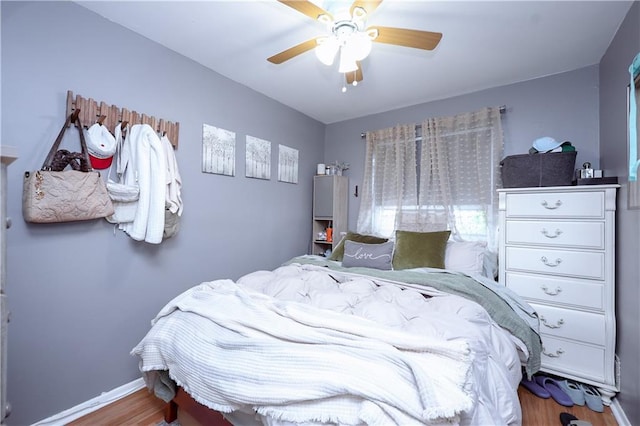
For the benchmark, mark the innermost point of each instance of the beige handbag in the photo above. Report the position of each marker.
(53, 194)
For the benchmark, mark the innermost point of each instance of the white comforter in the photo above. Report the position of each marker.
(307, 345)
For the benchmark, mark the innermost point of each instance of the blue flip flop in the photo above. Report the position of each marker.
(533, 387)
(552, 386)
(592, 398)
(574, 390)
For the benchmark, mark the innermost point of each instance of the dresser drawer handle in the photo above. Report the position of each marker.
(546, 233)
(558, 324)
(553, 355)
(548, 207)
(551, 265)
(550, 292)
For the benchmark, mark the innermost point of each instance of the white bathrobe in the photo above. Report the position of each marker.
(148, 162)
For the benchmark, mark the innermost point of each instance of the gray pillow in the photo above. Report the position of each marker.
(378, 256)
(338, 252)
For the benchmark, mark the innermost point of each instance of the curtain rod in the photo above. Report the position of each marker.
(502, 109)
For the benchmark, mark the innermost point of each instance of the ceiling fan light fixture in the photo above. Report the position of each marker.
(347, 37)
(326, 49)
(347, 61)
(360, 45)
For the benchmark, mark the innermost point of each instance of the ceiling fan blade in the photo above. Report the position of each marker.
(426, 40)
(296, 50)
(306, 8)
(355, 75)
(368, 5)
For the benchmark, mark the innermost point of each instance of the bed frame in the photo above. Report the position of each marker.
(200, 413)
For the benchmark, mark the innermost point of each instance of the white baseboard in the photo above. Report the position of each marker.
(92, 405)
(619, 414)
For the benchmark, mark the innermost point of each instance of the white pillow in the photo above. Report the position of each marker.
(465, 256)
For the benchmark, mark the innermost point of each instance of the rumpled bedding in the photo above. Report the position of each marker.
(504, 306)
(309, 345)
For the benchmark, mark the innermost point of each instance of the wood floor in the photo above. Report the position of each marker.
(543, 412)
(142, 408)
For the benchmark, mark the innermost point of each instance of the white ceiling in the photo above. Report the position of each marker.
(485, 44)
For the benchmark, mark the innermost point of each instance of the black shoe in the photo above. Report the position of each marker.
(568, 419)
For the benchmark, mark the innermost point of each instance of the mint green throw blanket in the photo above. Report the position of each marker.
(501, 311)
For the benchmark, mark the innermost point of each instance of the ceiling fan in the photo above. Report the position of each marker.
(348, 37)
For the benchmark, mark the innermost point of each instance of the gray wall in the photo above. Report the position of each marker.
(80, 296)
(614, 80)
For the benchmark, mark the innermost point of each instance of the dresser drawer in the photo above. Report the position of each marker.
(557, 290)
(580, 359)
(556, 205)
(588, 235)
(582, 264)
(576, 325)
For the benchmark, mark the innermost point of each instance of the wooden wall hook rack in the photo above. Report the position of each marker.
(111, 116)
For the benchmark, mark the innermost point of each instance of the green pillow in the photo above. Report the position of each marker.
(338, 253)
(420, 249)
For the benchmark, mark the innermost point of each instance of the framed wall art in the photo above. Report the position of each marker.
(258, 158)
(218, 151)
(287, 164)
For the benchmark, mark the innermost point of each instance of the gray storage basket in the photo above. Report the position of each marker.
(531, 170)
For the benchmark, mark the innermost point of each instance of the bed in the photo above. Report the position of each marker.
(317, 342)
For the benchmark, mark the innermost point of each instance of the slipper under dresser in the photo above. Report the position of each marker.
(557, 251)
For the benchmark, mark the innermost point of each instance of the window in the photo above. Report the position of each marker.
(440, 175)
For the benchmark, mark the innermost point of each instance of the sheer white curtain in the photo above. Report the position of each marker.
(446, 179)
(390, 179)
(460, 172)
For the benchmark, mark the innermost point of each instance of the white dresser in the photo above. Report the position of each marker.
(557, 250)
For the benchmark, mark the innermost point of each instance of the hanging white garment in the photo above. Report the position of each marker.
(147, 162)
(123, 196)
(173, 199)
